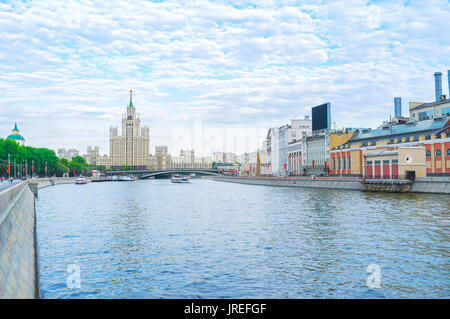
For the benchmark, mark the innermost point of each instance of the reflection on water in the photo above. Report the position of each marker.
(207, 239)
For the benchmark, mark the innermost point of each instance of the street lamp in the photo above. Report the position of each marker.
(9, 167)
(26, 169)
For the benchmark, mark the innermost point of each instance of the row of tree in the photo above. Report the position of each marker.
(37, 160)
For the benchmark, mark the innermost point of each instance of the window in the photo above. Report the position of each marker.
(369, 163)
(377, 162)
(349, 163)
(438, 153)
(386, 162)
(334, 162)
(394, 161)
(428, 153)
(344, 163)
(339, 163)
(448, 151)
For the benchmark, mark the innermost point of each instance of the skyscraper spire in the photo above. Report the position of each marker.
(131, 98)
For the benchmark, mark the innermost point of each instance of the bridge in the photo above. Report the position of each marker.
(150, 173)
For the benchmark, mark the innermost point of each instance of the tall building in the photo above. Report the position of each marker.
(15, 136)
(92, 155)
(162, 157)
(132, 147)
(67, 154)
(187, 156)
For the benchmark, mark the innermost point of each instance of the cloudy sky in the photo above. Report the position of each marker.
(216, 67)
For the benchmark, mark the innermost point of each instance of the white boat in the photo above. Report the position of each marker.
(179, 179)
(125, 178)
(80, 180)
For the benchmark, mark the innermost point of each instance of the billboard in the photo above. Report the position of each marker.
(321, 117)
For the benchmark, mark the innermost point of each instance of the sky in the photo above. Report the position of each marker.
(206, 74)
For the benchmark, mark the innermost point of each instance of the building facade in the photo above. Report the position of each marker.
(68, 154)
(162, 157)
(132, 147)
(390, 151)
(92, 155)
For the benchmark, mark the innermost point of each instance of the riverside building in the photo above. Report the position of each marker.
(422, 147)
(132, 147)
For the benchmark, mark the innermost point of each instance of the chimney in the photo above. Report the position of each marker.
(398, 106)
(438, 85)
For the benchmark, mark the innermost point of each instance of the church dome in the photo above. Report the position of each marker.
(15, 136)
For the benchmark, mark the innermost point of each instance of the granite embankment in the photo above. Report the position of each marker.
(18, 253)
(19, 276)
(437, 185)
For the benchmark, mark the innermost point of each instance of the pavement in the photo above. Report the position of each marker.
(6, 184)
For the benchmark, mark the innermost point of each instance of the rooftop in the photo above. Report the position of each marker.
(431, 104)
(411, 128)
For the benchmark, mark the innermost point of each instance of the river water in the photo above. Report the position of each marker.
(208, 239)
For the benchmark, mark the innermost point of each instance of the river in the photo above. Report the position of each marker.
(208, 239)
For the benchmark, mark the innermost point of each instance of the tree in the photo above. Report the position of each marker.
(126, 168)
(79, 159)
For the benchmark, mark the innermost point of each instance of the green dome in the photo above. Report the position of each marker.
(15, 137)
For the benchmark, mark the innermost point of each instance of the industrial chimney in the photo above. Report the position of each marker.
(438, 85)
(398, 107)
(448, 77)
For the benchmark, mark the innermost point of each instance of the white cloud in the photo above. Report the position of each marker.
(70, 64)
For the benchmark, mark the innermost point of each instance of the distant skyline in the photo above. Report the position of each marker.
(66, 68)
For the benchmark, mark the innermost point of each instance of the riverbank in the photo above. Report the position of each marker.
(434, 185)
(18, 249)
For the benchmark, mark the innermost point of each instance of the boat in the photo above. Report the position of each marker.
(125, 178)
(179, 179)
(80, 180)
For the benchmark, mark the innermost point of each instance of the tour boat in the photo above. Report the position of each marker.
(125, 178)
(80, 180)
(179, 179)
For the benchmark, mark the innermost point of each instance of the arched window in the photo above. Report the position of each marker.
(438, 153)
(428, 153)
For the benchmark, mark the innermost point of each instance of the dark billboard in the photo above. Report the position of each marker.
(321, 117)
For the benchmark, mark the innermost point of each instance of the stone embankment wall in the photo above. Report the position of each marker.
(18, 253)
(436, 185)
(333, 183)
(46, 182)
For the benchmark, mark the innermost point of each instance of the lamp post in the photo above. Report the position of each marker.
(15, 170)
(32, 168)
(26, 169)
(9, 167)
(45, 169)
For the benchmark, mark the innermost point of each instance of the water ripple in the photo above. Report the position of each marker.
(154, 239)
